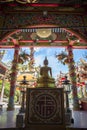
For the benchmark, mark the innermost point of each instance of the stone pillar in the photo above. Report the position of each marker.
(13, 79)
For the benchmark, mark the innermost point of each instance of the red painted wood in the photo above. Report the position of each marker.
(84, 105)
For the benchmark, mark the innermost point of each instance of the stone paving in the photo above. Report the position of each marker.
(8, 118)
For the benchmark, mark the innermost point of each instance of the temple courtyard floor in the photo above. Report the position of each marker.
(8, 119)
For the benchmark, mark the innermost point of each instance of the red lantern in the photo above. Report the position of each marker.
(63, 78)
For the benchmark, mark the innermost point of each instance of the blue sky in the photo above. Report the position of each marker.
(40, 54)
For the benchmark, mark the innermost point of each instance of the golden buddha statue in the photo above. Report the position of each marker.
(45, 79)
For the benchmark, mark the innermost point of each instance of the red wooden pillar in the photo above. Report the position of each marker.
(73, 77)
(13, 79)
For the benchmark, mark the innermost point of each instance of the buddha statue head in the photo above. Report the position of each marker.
(45, 61)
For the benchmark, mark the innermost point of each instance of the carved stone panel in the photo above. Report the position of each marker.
(45, 106)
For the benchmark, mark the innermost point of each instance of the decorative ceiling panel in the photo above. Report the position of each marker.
(76, 23)
(19, 27)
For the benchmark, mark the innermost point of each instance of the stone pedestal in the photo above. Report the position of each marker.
(68, 117)
(20, 120)
(45, 109)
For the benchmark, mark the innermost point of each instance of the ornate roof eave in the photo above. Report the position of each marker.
(44, 20)
(53, 17)
(29, 77)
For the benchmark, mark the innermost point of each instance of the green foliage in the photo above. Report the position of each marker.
(7, 90)
(17, 94)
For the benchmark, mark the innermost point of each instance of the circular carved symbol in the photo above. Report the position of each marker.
(45, 106)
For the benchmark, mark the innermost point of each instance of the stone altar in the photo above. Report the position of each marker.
(45, 109)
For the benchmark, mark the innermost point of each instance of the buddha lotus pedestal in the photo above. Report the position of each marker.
(46, 82)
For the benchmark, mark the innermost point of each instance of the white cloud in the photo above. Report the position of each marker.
(37, 49)
(39, 60)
